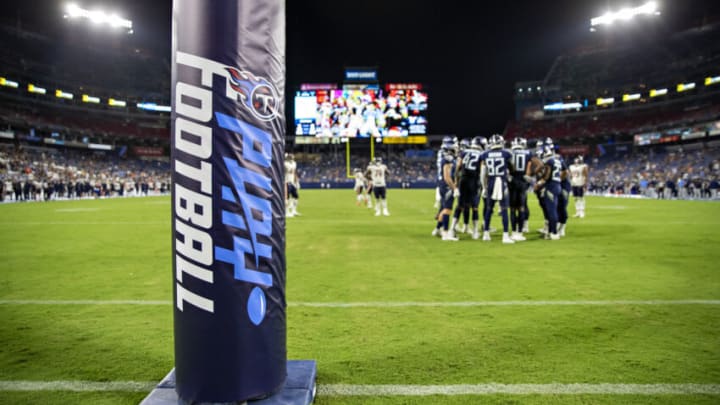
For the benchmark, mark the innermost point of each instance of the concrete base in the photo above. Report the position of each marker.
(299, 388)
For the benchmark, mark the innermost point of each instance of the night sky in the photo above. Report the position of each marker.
(469, 54)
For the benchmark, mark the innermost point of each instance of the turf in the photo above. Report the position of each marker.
(339, 253)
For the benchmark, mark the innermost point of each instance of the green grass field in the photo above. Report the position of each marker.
(402, 307)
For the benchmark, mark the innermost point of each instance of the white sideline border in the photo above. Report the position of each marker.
(401, 390)
(393, 304)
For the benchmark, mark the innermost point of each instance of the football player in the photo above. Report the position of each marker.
(465, 210)
(533, 169)
(496, 165)
(377, 172)
(468, 177)
(564, 196)
(447, 140)
(292, 184)
(447, 188)
(578, 180)
(549, 187)
(518, 187)
(363, 197)
(539, 189)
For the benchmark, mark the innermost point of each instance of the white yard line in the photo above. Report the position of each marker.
(85, 302)
(392, 304)
(518, 389)
(88, 223)
(381, 304)
(131, 386)
(403, 390)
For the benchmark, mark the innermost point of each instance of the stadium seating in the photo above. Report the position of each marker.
(588, 73)
(132, 75)
(621, 122)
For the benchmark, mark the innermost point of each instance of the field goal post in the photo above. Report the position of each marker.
(348, 172)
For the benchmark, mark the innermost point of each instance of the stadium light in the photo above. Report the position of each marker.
(35, 89)
(631, 97)
(8, 83)
(685, 87)
(658, 92)
(154, 107)
(98, 17)
(90, 99)
(61, 94)
(562, 106)
(116, 103)
(708, 80)
(625, 14)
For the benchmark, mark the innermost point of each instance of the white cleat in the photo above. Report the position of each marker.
(435, 232)
(289, 215)
(518, 237)
(554, 236)
(507, 239)
(526, 228)
(561, 230)
(377, 213)
(297, 214)
(476, 235)
(543, 231)
(469, 231)
(460, 228)
(486, 236)
(386, 213)
(449, 236)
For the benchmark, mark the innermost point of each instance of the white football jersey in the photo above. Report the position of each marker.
(377, 174)
(359, 180)
(290, 171)
(577, 175)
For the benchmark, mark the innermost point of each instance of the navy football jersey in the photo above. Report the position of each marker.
(447, 158)
(470, 164)
(556, 168)
(439, 163)
(498, 163)
(520, 160)
(565, 183)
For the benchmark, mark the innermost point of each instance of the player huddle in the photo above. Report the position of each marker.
(485, 170)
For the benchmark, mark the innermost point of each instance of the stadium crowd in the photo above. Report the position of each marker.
(31, 174)
(678, 173)
(28, 174)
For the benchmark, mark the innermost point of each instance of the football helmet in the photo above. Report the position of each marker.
(548, 151)
(479, 142)
(497, 141)
(517, 143)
